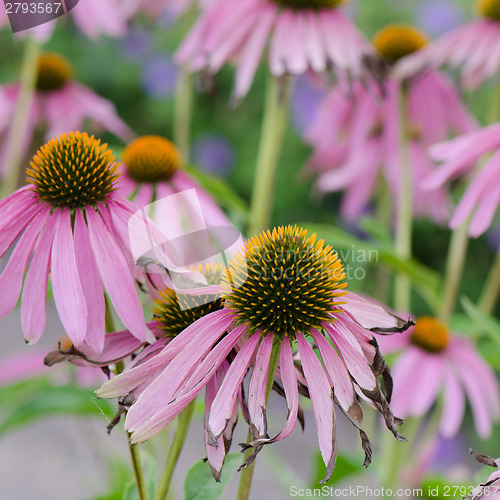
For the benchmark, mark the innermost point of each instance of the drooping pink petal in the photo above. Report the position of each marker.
(215, 454)
(164, 388)
(352, 355)
(33, 317)
(198, 380)
(258, 385)
(11, 279)
(131, 378)
(321, 395)
(453, 403)
(226, 398)
(66, 285)
(252, 52)
(115, 275)
(92, 288)
(337, 372)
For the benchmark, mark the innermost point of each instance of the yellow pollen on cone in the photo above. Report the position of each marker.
(284, 281)
(151, 158)
(53, 71)
(489, 9)
(430, 334)
(398, 40)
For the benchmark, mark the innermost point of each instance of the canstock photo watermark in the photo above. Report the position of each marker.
(356, 260)
(28, 14)
(170, 239)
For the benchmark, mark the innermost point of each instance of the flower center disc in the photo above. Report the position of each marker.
(489, 9)
(174, 311)
(310, 4)
(430, 334)
(283, 281)
(396, 41)
(53, 72)
(73, 170)
(151, 158)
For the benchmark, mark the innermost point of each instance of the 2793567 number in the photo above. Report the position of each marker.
(33, 7)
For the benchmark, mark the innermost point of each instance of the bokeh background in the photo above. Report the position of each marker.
(47, 450)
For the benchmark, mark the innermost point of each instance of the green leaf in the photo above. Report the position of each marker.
(344, 467)
(485, 323)
(200, 484)
(49, 400)
(221, 191)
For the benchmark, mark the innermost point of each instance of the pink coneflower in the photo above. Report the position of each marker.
(433, 360)
(70, 222)
(60, 103)
(474, 48)
(459, 157)
(491, 487)
(357, 134)
(283, 291)
(302, 35)
(152, 170)
(175, 7)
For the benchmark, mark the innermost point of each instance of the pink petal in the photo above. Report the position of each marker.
(258, 384)
(67, 289)
(162, 391)
(35, 285)
(91, 284)
(321, 395)
(200, 377)
(337, 372)
(130, 379)
(225, 400)
(252, 52)
(116, 277)
(11, 279)
(453, 404)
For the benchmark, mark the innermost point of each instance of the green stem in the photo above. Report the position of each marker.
(271, 140)
(18, 129)
(138, 471)
(109, 324)
(182, 114)
(246, 475)
(181, 431)
(455, 263)
(396, 453)
(404, 220)
(494, 106)
(491, 289)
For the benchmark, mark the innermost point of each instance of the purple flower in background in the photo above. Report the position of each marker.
(493, 237)
(213, 153)
(159, 77)
(305, 102)
(438, 16)
(136, 44)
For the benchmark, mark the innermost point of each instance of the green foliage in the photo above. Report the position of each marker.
(345, 467)
(25, 402)
(199, 483)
